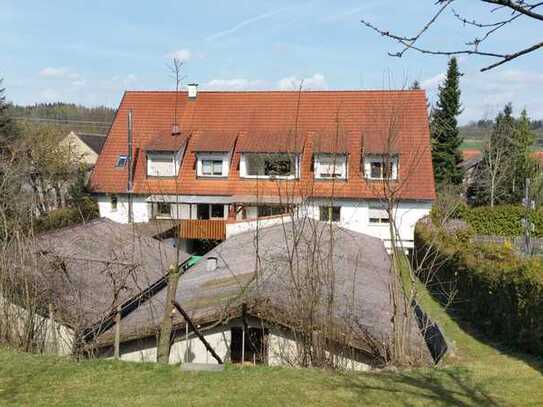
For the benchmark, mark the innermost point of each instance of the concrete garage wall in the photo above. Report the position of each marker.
(282, 351)
(190, 351)
(281, 347)
(50, 334)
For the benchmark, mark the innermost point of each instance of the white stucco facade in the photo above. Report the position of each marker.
(140, 208)
(354, 215)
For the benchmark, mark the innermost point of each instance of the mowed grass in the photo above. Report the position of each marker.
(474, 374)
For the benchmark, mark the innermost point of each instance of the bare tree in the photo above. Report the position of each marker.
(514, 11)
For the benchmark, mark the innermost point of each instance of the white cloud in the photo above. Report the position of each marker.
(236, 84)
(349, 15)
(317, 81)
(243, 23)
(484, 94)
(433, 82)
(59, 73)
(129, 79)
(79, 83)
(51, 72)
(182, 55)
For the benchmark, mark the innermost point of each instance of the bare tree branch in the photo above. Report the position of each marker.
(518, 9)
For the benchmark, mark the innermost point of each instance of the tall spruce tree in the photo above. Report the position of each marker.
(523, 165)
(446, 139)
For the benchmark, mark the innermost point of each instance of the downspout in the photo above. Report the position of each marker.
(130, 169)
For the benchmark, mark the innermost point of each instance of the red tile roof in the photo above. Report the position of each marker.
(268, 120)
(470, 153)
(213, 141)
(166, 142)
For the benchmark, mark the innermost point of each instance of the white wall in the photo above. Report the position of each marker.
(233, 229)
(282, 351)
(140, 208)
(354, 216)
(182, 351)
(281, 347)
(55, 337)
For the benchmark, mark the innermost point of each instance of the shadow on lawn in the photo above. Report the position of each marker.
(453, 386)
(469, 328)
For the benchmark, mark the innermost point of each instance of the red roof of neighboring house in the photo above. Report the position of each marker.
(538, 155)
(272, 121)
(470, 153)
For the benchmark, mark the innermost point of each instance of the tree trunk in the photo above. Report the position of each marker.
(164, 345)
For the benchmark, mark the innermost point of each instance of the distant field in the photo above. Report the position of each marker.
(475, 137)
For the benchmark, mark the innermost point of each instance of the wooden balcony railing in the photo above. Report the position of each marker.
(202, 229)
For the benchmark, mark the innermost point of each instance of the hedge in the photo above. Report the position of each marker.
(83, 212)
(503, 220)
(498, 291)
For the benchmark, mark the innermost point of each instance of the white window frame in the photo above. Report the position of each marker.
(159, 215)
(329, 209)
(370, 159)
(243, 167)
(201, 157)
(112, 207)
(173, 160)
(338, 160)
(377, 211)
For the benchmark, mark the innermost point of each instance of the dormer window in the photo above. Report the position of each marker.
(331, 166)
(381, 167)
(162, 164)
(212, 165)
(269, 165)
(121, 161)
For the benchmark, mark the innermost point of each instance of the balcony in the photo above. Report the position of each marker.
(214, 229)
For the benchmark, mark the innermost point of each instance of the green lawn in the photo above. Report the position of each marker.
(475, 375)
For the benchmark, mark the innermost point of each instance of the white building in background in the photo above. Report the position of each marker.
(235, 160)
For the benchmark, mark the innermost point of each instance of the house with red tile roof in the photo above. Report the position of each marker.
(219, 163)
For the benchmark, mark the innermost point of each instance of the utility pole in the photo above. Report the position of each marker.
(528, 226)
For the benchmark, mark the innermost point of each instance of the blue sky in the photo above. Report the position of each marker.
(90, 52)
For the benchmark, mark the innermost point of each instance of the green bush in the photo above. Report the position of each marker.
(85, 210)
(498, 291)
(503, 220)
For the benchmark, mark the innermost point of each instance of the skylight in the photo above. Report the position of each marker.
(121, 161)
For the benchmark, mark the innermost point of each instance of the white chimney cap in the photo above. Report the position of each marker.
(193, 90)
(211, 263)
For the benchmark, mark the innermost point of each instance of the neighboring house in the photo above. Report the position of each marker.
(86, 146)
(86, 274)
(218, 162)
(247, 302)
(471, 160)
(472, 157)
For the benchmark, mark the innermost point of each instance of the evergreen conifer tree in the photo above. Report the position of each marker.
(446, 139)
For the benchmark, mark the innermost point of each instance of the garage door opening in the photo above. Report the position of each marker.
(249, 346)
